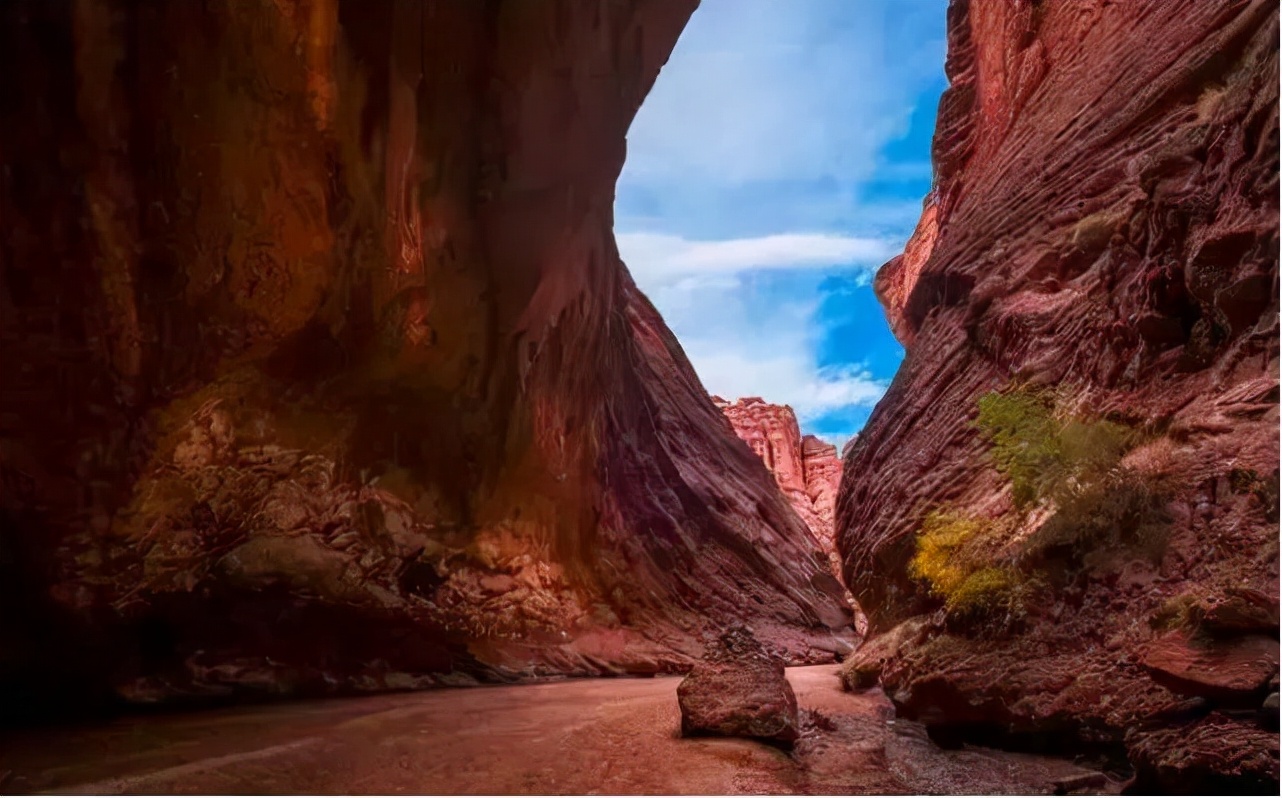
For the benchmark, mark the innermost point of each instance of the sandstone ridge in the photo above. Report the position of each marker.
(807, 469)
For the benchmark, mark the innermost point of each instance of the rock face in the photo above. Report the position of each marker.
(739, 690)
(807, 470)
(1104, 223)
(322, 369)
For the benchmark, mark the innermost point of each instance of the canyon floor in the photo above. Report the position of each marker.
(583, 736)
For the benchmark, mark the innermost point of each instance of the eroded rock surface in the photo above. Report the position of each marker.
(1203, 666)
(1104, 223)
(322, 369)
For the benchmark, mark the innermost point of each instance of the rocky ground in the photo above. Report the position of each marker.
(620, 736)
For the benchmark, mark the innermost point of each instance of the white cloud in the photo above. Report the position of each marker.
(656, 258)
(758, 167)
(746, 338)
(773, 89)
(787, 375)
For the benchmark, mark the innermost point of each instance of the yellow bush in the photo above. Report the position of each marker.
(986, 592)
(1175, 613)
(939, 561)
(956, 557)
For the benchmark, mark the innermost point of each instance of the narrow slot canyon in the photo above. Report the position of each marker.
(343, 452)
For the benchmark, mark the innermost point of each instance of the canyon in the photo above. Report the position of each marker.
(325, 378)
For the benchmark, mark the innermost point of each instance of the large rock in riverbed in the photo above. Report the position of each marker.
(739, 690)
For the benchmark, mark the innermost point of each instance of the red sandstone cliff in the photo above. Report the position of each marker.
(1104, 220)
(806, 469)
(322, 370)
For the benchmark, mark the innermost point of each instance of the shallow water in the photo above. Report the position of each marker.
(616, 736)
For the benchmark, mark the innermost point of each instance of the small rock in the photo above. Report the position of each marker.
(497, 583)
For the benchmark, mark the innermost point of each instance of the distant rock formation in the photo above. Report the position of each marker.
(806, 468)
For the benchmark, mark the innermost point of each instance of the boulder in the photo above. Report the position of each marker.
(1239, 612)
(862, 669)
(739, 690)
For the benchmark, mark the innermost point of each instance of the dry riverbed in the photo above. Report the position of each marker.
(582, 736)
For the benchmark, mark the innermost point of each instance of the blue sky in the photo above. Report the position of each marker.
(780, 159)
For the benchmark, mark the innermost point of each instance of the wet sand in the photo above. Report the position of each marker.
(616, 736)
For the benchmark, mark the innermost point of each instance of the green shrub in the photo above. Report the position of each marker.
(1091, 449)
(1045, 457)
(1025, 446)
(1248, 480)
(1068, 465)
(1118, 512)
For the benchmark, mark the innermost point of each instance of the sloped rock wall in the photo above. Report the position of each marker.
(323, 372)
(1104, 221)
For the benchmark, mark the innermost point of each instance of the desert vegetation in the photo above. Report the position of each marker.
(1075, 496)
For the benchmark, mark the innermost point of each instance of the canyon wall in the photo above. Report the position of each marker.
(1101, 240)
(807, 470)
(323, 372)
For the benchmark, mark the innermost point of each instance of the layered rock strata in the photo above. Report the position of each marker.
(1104, 229)
(324, 374)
